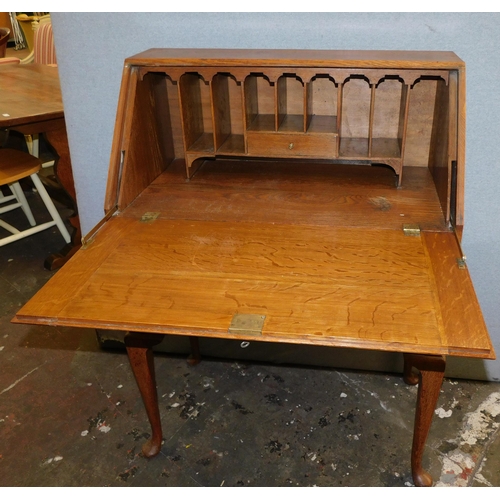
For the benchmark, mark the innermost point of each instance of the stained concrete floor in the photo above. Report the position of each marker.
(71, 415)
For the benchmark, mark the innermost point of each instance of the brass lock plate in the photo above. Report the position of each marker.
(247, 324)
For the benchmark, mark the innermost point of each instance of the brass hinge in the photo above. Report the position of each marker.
(411, 229)
(461, 263)
(149, 217)
(247, 324)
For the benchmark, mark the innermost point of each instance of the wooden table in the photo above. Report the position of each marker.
(31, 103)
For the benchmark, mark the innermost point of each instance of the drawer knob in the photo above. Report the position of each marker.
(290, 146)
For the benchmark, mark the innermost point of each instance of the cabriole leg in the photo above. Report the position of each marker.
(195, 356)
(430, 379)
(140, 353)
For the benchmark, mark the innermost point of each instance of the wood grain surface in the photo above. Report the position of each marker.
(333, 286)
(287, 57)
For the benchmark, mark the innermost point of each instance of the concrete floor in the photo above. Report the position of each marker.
(71, 415)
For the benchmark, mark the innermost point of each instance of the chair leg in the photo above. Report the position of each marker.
(50, 207)
(19, 194)
(33, 145)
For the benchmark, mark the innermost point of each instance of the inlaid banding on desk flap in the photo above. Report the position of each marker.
(250, 324)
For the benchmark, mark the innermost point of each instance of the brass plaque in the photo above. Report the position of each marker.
(247, 324)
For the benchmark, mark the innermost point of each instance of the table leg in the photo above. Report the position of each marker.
(195, 356)
(140, 353)
(58, 140)
(430, 378)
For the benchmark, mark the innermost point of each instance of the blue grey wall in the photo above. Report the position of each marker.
(91, 48)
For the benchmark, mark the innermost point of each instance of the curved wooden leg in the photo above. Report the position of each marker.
(431, 373)
(140, 354)
(195, 356)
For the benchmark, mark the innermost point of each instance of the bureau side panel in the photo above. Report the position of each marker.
(149, 147)
(460, 189)
(143, 145)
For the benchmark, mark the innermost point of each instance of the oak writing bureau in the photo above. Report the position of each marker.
(308, 197)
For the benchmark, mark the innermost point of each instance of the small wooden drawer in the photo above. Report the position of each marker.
(290, 145)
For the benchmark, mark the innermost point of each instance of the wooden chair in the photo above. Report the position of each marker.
(42, 52)
(14, 166)
(42, 49)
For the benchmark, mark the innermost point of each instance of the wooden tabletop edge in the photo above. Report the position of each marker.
(338, 342)
(296, 57)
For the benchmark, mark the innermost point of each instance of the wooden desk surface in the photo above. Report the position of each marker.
(29, 93)
(224, 245)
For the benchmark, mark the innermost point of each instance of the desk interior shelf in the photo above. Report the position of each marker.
(333, 114)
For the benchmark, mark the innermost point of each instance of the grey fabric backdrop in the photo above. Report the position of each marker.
(91, 48)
